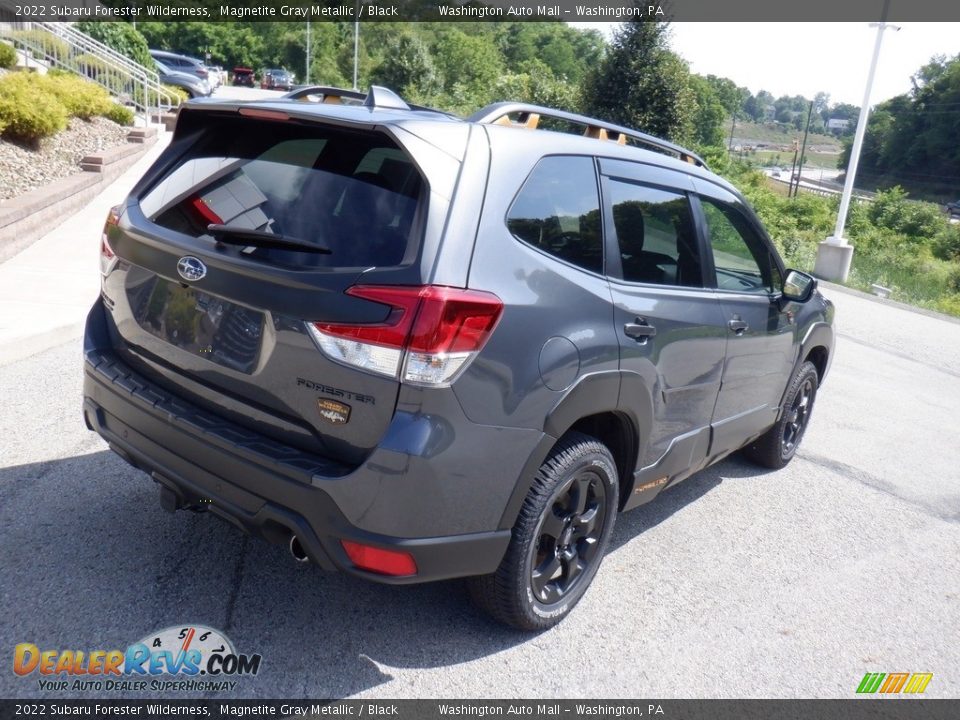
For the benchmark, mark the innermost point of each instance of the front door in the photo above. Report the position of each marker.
(760, 346)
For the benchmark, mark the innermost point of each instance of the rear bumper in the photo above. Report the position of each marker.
(264, 488)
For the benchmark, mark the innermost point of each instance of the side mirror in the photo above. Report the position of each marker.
(798, 286)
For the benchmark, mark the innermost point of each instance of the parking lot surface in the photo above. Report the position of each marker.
(739, 582)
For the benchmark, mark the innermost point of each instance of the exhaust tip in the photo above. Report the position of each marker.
(297, 551)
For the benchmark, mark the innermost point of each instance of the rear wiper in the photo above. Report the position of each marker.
(234, 235)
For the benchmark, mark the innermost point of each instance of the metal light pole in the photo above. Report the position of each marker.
(835, 254)
(306, 75)
(356, 43)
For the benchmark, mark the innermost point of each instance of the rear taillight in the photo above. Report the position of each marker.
(108, 259)
(430, 334)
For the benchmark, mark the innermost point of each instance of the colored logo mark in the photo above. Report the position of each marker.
(892, 683)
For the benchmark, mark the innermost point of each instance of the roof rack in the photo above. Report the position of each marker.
(499, 114)
(377, 97)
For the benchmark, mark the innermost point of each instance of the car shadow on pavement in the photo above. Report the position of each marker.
(91, 561)
(676, 497)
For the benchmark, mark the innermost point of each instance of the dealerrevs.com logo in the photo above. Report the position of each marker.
(188, 658)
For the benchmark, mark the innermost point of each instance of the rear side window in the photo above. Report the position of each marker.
(656, 235)
(357, 193)
(558, 211)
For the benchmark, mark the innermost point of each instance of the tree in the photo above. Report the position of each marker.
(642, 84)
(120, 36)
(708, 119)
(407, 68)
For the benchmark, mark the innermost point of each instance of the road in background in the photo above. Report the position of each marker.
(739, 582)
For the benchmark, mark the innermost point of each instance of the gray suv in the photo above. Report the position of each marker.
(414, 347)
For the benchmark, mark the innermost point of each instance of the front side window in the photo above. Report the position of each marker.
(656, 235)
(741, 257)
(558, 211)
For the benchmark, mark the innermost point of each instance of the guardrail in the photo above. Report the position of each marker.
(58, 45)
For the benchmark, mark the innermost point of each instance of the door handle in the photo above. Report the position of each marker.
(640, 329)
(738, 326)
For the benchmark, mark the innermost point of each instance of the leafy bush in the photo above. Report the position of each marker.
(8, 56)
(916, 220)
(81, 98)
(27, 113)
(120, 114)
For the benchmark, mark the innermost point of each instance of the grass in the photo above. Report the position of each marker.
(777, 133)
(827, 161)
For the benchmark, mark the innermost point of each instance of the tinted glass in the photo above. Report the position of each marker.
(354, 192)
(740, 255)
(558, 211)
(656, 235)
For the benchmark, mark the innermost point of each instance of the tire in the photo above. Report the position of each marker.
(559, 539)
(777, 446)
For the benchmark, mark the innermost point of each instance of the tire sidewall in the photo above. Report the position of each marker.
(807, 371)
(602, 465)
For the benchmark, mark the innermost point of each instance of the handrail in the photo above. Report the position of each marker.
(498, 112)
(121, 76)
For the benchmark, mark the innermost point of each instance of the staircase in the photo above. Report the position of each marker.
(58, 45)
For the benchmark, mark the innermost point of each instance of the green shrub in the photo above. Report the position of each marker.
(120, 114)
(8, 56)
(81, 98)
(946, 245)
(27, 113)
(917, 220)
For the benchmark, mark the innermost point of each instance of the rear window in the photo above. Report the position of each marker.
(356, 193)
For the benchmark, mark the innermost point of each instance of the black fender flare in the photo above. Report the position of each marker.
(592, 394)
(818, 334)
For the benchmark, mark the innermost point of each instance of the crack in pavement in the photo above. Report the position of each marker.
(899, 354)
(877, 483)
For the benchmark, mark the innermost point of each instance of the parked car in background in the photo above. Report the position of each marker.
(218, 76)
(243, 76)
(954, 208)
(276, 79)
(194, 86)
(182, 63)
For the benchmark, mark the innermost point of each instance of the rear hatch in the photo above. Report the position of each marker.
(240, 243)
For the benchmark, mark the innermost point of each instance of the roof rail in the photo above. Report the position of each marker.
(498, 113)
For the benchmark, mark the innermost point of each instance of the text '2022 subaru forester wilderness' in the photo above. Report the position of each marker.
(416, 347)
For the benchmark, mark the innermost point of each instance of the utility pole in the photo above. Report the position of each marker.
(803, 150)
(835, 254)
(793, 168)
(732, 128)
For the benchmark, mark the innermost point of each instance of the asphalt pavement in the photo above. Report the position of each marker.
(739, 582)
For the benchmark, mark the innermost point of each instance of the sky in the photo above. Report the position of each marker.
(807, 58)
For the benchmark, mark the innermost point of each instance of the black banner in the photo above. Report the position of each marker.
(480, 10)
(888, 709)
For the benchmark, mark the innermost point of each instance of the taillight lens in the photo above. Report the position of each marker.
(108, 259)
(431, 332)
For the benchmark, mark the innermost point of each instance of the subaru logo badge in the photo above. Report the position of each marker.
(191, 268)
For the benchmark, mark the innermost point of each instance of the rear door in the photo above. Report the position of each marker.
(237, 326)
(760, 350)
(671, 331)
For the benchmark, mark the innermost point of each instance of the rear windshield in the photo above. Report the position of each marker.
(356, 193)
